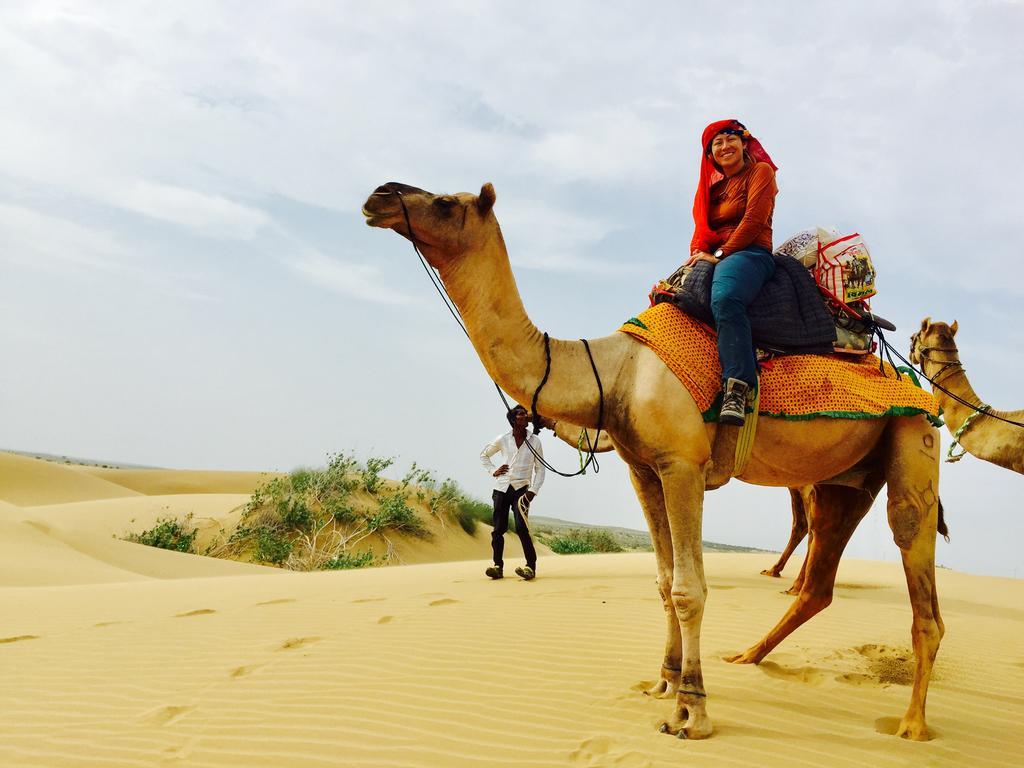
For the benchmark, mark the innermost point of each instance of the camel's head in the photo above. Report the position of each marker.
(443, 226)
(937, 337)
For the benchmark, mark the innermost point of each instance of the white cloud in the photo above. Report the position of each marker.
(358, 281)
(210, 215)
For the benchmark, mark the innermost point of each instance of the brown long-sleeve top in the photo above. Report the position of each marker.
(741, 208)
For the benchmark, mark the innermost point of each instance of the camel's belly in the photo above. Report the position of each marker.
(795, 453)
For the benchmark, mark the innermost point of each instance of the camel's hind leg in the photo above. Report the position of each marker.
(834, 513)
(913, 477)
(652, 501)
(796, 534)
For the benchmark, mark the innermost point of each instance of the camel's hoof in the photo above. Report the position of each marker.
(770, 572)
(681, 734)
(663, 728)
(741, 658)
(913, 731)
(662, 689)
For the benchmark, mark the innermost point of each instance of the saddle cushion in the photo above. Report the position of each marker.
(788, 314)
(794, 387)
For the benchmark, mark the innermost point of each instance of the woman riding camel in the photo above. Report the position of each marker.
(732, 214)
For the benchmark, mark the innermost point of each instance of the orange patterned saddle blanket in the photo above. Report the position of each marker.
(792, 387)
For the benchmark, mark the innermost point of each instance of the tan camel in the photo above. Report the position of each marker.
(657, 428)
(934, 349)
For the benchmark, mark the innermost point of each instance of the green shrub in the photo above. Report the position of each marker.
(168, 533)
(371, 474)
(581, 542)
(394, 513)
(271, 547)
(346, 560)
(295, 514)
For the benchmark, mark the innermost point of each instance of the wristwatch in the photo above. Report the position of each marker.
(718, 255)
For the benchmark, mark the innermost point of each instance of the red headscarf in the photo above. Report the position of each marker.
(705, 237)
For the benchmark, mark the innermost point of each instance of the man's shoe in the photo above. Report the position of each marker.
(734, 403)
(495, 572)
(526, 572)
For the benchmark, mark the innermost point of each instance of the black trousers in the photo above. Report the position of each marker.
(504, 501)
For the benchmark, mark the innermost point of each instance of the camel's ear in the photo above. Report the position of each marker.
(925, 323)
(952, 328)
(485, 202)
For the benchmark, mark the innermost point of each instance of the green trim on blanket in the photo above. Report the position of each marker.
(637, 322)
(711, 414)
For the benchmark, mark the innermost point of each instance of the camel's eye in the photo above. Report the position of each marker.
(445, 205)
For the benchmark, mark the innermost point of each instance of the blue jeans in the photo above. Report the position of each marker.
(738, 279)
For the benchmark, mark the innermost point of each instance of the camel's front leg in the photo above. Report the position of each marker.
(683, 485)
(796, 533)
(913, 516)
(652, 501)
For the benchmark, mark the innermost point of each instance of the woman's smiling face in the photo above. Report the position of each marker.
(727, 151)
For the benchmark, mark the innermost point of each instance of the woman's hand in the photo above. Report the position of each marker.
(700, 256)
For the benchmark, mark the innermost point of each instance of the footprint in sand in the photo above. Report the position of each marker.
(18, 638)
(297, 642)
(889, 664)
(196, 612)
(245, 671)
(167, 715)
(809, 675)
(443, 601)
(856, 678)
(385, 619)
(600, 751)
(279, 601)
(370, 600)
(109, 623)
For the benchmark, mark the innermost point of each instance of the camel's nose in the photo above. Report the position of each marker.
(393, 187)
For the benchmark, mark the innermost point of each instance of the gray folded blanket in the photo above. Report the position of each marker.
(788, 314)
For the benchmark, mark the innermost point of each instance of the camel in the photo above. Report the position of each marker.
(1002, 444)
(657, 429)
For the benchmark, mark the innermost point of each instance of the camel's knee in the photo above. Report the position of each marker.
(688, 605)
(811, 603)
(907, 517)
(665, 590)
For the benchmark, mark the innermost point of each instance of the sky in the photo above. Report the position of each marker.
(186, 279)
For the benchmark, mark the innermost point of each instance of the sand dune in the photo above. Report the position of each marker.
(117, 654)
(26, 482)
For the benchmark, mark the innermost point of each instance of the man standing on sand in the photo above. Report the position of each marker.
(517, 482)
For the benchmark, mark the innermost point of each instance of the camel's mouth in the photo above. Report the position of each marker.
(377, 219)
(383, 208)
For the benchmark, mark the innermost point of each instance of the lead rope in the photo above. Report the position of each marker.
(454, 312)
(890, 350)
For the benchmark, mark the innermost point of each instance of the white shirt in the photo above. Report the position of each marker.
(523, 467)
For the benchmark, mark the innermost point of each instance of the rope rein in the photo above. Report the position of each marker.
(454, 312)
(982, 409)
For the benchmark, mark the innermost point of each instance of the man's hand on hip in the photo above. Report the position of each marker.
(502, 470)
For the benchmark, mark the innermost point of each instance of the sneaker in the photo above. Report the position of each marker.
(495, 572)
(526, 572)
(734, 403)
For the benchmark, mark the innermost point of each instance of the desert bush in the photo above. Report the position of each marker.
(394, 513)
(168, 533)
(346, 560)
(271, 546)
(579, 542)
(371, 473)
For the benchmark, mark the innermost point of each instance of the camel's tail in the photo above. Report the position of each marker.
(941, 527)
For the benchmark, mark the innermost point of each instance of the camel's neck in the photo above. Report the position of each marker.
(510, 345)
(955, 380)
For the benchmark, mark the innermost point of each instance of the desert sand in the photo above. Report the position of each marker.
(115, 654)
